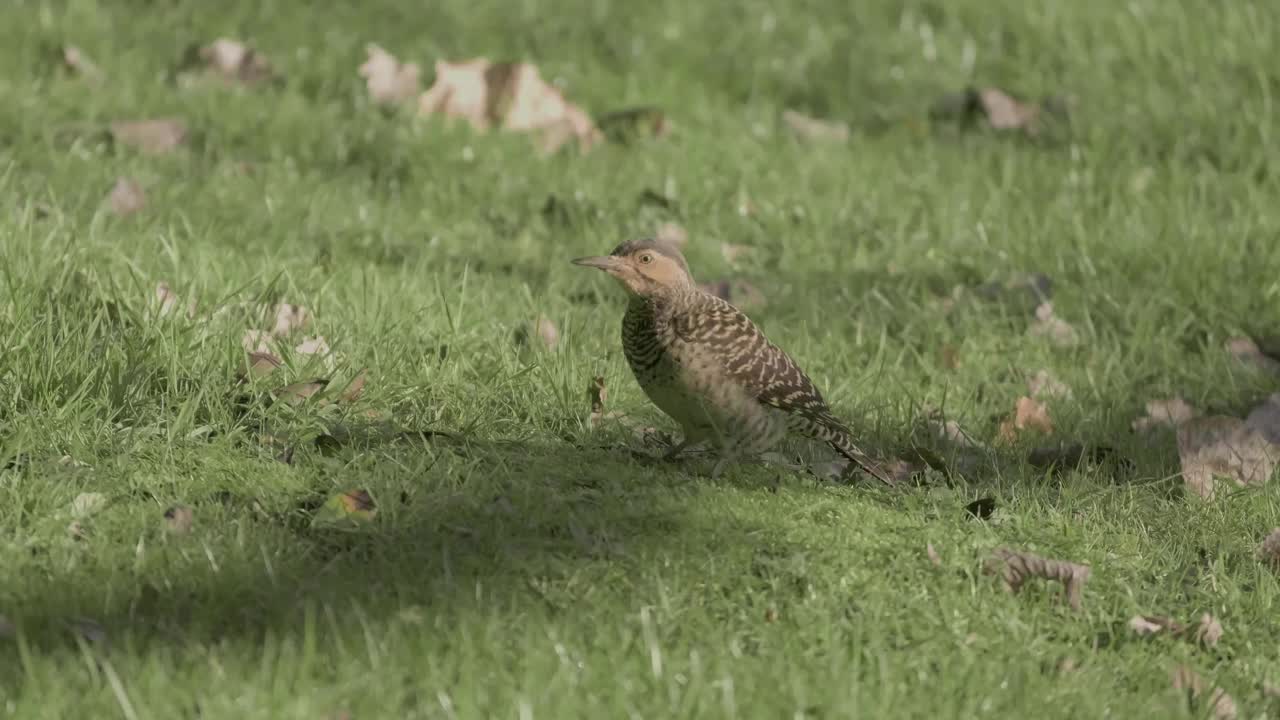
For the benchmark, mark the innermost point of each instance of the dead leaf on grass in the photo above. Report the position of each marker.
(235, 61)
(1247, 351)
(1015, 567)
(1169, 412)
(179, 519)
(297, 393)
(151, 137)
(1004, 112)
(1048, 325)
(352, 505)
(934, 557)
(289, 319)
(87, 504)
(1207, 631)
(1044, 385)
(79, 63)
(1270, 549)
(126, 197)
(1219, 446)
(510, 96)
(1028, 414)
(813, 129)
(256, 341)
(388, 81)
(261, 364)
(1222, 704)
(354, 389)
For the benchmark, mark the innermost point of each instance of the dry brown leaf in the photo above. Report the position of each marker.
(167, 298)
(87, 504)
(672, 234)
(1014, 568)
(1003, 112)
(1044, 385)
(1222, 704)
(1247, 351)
(179, 519)
(152, 137)
(297, 393)
(76, 61)
(256, 341)
(261, 364)
(354, 389)
(1170, 412)
(1048, 325)
(1220, 446)
(934, 557)
(313, 346)
(511, 96)
(1028, 414)
(235, 61)
(126, 197)
(387, 80)
(1153, 624)
(290, 318)
(547, 332)
(811, 128)
(596, 394)
(1207, 631)
(1270, 549)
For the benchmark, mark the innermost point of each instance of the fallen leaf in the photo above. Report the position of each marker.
(596, 394)
(235, 61)
(76, 61)
(1170, 412)
(298, 392)
(1003, 112)
(289, 319)
(151, 137)
(313, 346)
(87, 504)
(1270, 549)
(1154, 624)
(352, 505)
(1207, 631)
(1048, 325)
(387, 80)
(354, 389)
(256, 341)
(167, 298)
(1220, 446)
(631, 124)
(261, 364)
(1044, 385)
(511, 96)
(934, 557)
(1014, 568)
(178, 519)
(1247, 351)
(813, 129)
(672, 234)
(950, 432)
(126, 197)
(547, 332)
(1222, 704)
(1028, 414)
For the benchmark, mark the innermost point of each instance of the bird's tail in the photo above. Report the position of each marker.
(837, 436)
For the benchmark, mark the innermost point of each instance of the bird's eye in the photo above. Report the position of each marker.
(646, 258)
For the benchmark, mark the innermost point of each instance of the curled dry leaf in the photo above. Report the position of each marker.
(512, 96)
(547, 332)
(934, 557)
(352, 505)
(1044, 385)
(1207, 631)
(261, 364)
(1003, 112)
(298, 392)
(1014, 567)
(179, 519)
(87, 504)
(126, 197)
(1048, 325)
(1247, 351)
(256, 341)
(1169, 412)
(235, 61)
(316, 346)
(1222, 704)
(1270, 549)
(1028, 414)
(152, 137)
(1227, 447)
(354, 389)
(289, 319)
(77, 62)
(811, 128)
(388, 81)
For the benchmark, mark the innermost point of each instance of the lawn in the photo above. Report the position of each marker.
(524, 561)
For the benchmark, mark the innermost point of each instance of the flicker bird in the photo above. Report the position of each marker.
(705, 364)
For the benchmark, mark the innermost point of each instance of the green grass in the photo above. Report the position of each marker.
(533, 567)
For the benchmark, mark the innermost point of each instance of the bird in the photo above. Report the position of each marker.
(705, 364)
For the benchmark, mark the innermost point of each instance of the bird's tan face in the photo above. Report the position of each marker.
(643, 271)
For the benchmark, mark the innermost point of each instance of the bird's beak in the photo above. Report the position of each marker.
(608, 263)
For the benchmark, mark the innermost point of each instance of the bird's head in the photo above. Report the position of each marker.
(644, 267)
